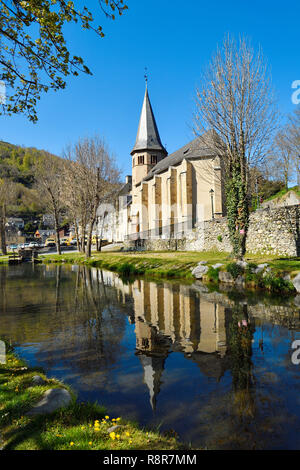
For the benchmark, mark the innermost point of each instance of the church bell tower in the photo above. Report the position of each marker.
(148, 149)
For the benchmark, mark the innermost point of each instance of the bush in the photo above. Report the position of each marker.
(213, 274)
(277, 284)
(219, 238)
(234, 269)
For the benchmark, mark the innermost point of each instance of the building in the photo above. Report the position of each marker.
(169, 195)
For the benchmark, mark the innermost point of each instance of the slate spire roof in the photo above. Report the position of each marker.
(147, 136)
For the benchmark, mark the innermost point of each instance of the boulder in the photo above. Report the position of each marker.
(226, 277)
(217, 265)
(199, 271)
(240, 281)
(242, 263)
(260, 268)
(297, 300)
(267, 271)
(52, 400)
(114, 428)
(37, 380)
(296, 282)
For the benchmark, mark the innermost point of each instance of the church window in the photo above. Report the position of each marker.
(153, 159)
(141, 160)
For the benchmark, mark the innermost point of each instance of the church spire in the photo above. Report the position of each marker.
(147, 136)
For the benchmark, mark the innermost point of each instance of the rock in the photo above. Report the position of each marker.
(217, 265)
(202, 263)
(52, 400)
(114, 428)
(296, 282)
(260, 268)
(240, 281)
(199, 271)
(226, 277)
(242, 263)
(286, 277)
(297, 300)
(267, 271)
(37, 380)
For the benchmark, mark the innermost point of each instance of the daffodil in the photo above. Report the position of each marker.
(112, 435)
(106, 417)
(71, 444)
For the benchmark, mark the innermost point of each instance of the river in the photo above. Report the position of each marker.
(219, 369)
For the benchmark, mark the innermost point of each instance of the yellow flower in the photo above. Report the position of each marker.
(118, 419)
(112, 435)
(106, 417)
(127, 433)
(90, 443)
(118, 436)
(130, 442)
(71, 443)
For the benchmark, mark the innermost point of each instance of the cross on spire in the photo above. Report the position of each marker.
(146, 75)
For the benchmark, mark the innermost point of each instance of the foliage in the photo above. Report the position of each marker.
(34, 55)
(236, 107)
(219, 238)
(213, 274)
(276, 284)
(234, 269)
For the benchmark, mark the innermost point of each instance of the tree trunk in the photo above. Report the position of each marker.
(57, 234)
(2, 230)
(77, 235)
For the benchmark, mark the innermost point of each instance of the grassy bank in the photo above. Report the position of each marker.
(79, 426)
(168, 264)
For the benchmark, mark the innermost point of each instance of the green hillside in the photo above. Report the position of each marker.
(17, 163)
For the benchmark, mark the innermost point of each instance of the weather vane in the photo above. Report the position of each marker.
(146, 75)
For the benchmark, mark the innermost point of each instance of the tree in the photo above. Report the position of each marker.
(294, 140)
(33, 51)
(281, 161)
(93, 177)
(49, 179)
(7, 196)
(236, 103)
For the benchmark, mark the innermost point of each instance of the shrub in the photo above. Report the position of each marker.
(234, 269)
(277, 284)
(219, 238)
(213, 274)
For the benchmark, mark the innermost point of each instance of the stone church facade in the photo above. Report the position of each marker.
(167, 196)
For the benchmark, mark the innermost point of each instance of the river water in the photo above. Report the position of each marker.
(219, 369)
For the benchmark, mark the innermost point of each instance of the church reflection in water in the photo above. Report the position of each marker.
(173, 318)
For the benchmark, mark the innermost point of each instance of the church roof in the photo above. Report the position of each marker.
(202, 146)
(147, 136)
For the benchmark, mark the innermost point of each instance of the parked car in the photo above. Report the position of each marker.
(50, 242)
(64, 241)
(13, 247)
(34, 245)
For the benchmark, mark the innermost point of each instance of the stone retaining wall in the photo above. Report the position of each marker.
(271, 231)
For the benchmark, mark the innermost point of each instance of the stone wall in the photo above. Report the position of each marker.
(271, 231)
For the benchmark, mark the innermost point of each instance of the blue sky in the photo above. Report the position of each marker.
(175, 40)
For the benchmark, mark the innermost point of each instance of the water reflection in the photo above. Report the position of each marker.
(215, 367)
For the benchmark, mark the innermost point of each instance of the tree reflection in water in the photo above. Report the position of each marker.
(160, 351)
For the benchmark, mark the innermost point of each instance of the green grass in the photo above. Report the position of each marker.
(168, 264)
(79, 426)
(283, 192)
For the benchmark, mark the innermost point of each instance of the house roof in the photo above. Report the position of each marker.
(147, 136)
(202, 146)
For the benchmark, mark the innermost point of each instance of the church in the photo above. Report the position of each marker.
(167, 195)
